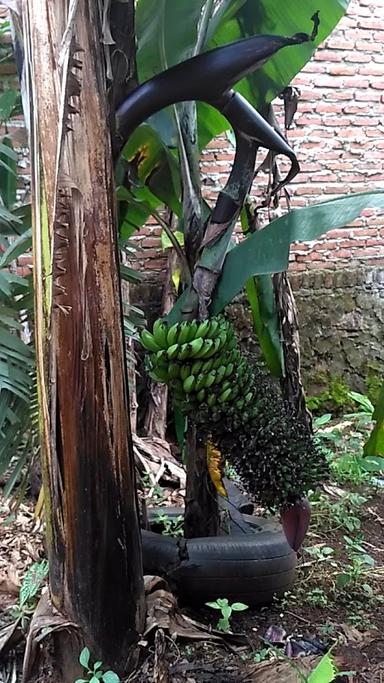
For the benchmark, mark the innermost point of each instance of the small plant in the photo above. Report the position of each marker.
(342, 514)
(230, 472)
(226, 609)
(317, 598)
(172, 526)
(29, 592)
(154, 493)
(95, 673)
(327, 629)
(335, 395)
(321, 553)
(355, 571)
(261, 655)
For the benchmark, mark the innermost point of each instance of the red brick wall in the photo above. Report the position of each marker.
(338, 135)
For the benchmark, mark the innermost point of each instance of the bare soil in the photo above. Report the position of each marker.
(350, 622)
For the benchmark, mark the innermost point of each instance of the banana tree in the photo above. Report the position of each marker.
(209, 77)
(93, 536)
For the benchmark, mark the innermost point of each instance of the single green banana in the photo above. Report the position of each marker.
(210, 379)
(176, 386)
(172, 334)
(213, 327)
(207, 365)
(159, 374)
(172, 351)
(214, 348)
(220, 373)
(217, 362)
(196, 346)
(201, 395)
(208, 346)
(223, 336)
(225, 385)
(229, 369)
(148, 341)
(240, 403)
(225, 396)
(185, 371)
(196, 367)
(185, 351)
(192, 327)
(248, 397)
(189, 383)
(174, 370)
(161, 356)
(232, 342)
(160, 331)
(183, 335)
(211, 400)
(200, 381)
(203, 329)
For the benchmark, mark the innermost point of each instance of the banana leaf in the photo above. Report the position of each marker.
(261, 299)
(169, 30)
(375, 444)
(168, 34)
(267, 251)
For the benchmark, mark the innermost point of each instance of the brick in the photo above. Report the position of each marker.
(368, 46)
(360, 57)
(356, 82)
(367, 96)
(372, 24)
(342, 70)
(377, 84)
(371, 70)
(328, 56)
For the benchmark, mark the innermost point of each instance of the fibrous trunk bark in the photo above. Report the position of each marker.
(93, 536)
(201, 508)
(155, 420)
(291, 382)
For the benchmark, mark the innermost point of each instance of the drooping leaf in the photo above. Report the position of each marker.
(263, 308)
(234, 20)
(158, 178)
(280, 18)
(215, 468)
(267, 250)
(177, 22)
(19, 246)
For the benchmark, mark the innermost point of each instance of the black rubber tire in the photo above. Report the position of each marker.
(251, 568)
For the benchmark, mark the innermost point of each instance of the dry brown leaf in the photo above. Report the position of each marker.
(10, 637)
(163, 613)
(9, 585)
(46, 620)
(276, 671)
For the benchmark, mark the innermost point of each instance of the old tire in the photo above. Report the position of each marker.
(249, 567)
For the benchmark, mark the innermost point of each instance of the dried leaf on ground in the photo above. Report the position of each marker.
(153, 455)
(45, 621)
(10, 636)
(163, 613)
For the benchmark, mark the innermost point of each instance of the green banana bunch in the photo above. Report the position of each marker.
(203, 366)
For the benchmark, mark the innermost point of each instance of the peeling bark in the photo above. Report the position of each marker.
(201, 507)
(291, 382)
(155, 420)
(93, 536)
